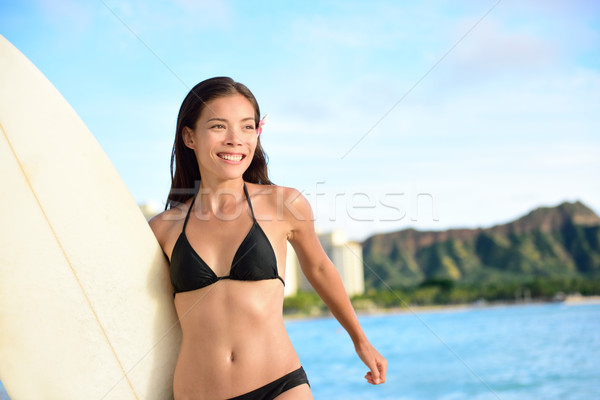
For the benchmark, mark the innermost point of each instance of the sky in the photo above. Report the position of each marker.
(384, 114)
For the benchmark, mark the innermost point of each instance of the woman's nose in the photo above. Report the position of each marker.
(234, 137)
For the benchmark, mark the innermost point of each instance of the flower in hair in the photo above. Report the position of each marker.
(260, 125)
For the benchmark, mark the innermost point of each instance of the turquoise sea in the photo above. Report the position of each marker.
(549, 351)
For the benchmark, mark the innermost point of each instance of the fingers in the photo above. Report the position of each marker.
(377, 375)
(374, 361)
(369, 378)
(382, 364)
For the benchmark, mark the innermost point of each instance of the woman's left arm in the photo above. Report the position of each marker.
(325, 279)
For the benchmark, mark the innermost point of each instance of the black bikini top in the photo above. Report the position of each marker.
(254, 260)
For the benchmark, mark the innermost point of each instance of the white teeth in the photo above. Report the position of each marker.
(231, 157)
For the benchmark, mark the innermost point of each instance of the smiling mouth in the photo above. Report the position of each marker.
(231, 157)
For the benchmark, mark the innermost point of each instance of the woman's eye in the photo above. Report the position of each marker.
(218, 126)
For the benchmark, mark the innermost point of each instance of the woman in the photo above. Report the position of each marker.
(224, 231)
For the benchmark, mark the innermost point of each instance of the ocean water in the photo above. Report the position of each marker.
(549, 351)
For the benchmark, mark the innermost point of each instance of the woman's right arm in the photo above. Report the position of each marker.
(157, 225)
(163, 226)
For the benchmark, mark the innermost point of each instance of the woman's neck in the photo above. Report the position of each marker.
(220, 197)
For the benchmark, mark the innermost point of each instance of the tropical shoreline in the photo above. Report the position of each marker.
(569, 300)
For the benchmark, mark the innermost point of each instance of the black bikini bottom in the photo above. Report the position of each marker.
(275, 388)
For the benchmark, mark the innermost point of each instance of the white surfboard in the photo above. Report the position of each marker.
(86, 308)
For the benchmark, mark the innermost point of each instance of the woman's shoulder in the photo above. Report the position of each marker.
(287, 200)
(162, 224)
(274, 192)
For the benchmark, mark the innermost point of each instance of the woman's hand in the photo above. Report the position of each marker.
(372, 359)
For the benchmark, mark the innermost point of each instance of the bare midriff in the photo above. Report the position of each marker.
(234, 339)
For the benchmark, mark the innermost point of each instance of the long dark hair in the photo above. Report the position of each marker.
(185, 174)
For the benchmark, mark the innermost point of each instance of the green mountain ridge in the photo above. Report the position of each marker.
(548, 242)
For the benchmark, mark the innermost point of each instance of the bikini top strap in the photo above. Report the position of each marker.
(249, 202)
(188, 213)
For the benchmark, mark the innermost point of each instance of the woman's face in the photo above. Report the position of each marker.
(225, 137)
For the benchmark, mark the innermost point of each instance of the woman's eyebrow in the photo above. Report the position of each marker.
(224, 120)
